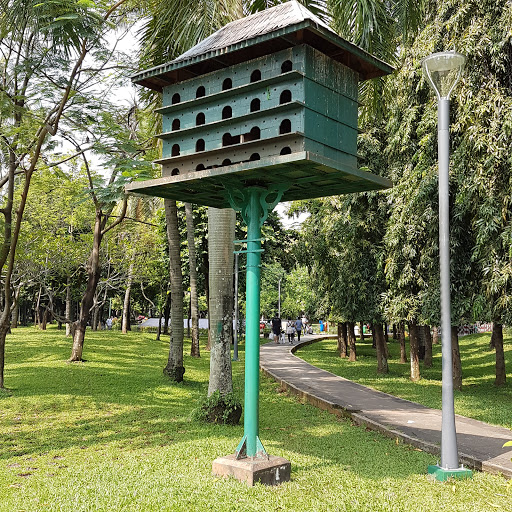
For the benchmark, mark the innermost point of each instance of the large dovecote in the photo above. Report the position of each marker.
(268, 100)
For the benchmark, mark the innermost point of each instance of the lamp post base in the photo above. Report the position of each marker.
(268, 471)
(442, 474)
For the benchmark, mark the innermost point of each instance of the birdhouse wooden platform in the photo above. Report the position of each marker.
(269, 100)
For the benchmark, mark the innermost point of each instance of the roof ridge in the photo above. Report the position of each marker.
(255, 24)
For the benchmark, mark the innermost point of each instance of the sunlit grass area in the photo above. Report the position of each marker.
(114, 434)
(479, 398)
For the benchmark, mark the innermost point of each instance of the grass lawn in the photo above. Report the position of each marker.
(113, 434)
(479, 398)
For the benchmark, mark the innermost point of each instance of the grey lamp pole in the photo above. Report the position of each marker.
(279, 298)
(235, 347)
(443, 71)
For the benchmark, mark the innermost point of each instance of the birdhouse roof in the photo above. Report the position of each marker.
(283, 26)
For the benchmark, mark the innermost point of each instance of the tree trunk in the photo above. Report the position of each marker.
(221, 232)
(159, 328)
(382, 361)
(15, 316)
(125, 323)
(351, 341)
(401, 340)
(395, 334)
(414, 351)
(95, 316)
(427, 361)
(497, 334)
(93, 276)
(457, 367)
(44, 320)
(361, 331)
(435, 336)
(194, 305)
(167, 313)
(69, 309)
(38, 309)
(3, 334)
(420, 332)
(174, 368)
(386, 341)
(342, 339)
(207, 292)
(492, 342)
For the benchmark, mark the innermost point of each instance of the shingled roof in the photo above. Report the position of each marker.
(283, 26)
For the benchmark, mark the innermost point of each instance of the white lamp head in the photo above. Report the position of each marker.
(443, 71)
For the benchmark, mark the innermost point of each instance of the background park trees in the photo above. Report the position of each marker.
(365, 258)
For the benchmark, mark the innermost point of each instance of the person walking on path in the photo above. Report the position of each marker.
(276, 328)
(298, 328)
(305, 324)
(290, 330)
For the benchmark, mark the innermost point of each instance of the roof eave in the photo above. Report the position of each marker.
(306, 32)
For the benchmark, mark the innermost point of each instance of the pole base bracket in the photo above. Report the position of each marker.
(443, 474)
(241, 450)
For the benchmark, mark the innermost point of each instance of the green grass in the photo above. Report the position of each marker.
(112, 434)
(479, 398)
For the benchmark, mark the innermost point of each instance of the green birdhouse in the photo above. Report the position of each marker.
(268, 100)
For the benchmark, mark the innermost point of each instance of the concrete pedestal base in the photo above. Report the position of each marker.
(442, 475)
(271, 471)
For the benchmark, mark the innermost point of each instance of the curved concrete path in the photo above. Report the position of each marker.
(480, 445)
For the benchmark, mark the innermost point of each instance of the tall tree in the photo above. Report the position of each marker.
(194, 306)
(221, 230)
(174, 368)
(35, 37)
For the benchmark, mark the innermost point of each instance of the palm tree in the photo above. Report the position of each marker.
(194, 308)
(174, 368)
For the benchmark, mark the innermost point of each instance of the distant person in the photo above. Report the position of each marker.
(298, 328)
(276, 328)
(290, 330)
(321, 322)
(109, 323)
(304, 324)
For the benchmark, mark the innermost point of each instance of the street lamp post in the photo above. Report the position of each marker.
(443, 71)
(279, 298)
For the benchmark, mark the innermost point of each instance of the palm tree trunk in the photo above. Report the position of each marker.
(194, 306)
(221, 232)
(174, 368)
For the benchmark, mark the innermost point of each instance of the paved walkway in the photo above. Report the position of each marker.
(480, 445)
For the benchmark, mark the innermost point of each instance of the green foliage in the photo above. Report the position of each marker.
(218, 408)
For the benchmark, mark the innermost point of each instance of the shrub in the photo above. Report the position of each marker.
(218, 408)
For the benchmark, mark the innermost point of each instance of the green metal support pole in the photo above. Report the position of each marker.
(254, 205)
(252, 326)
